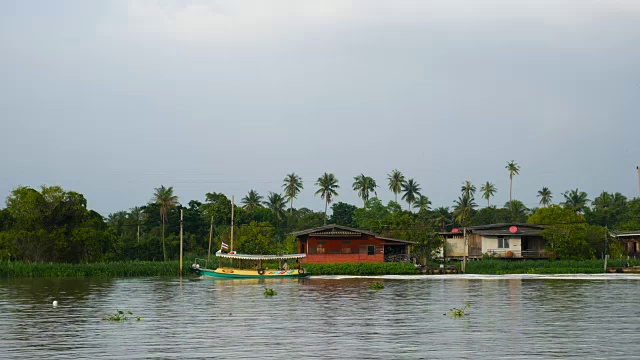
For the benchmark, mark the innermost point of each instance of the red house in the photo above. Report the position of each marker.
(339, 244)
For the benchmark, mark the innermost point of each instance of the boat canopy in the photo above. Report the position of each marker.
(259, 257)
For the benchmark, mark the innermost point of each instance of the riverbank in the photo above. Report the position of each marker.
(170, 268)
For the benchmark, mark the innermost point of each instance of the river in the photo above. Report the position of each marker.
(525, 316)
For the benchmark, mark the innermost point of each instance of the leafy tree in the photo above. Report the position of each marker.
(364, 185)
(488, 190)
(493, 215)
(164, 197)
(442, 217)
(327, 189)
(411, 191)
(519, 212)
(255, 238)
(396, 180)
(342, 213)
(513, 169)
(576, 200)
(373, 216)
(292, 187)
(422, 204)
(545, 196)
(252, 200)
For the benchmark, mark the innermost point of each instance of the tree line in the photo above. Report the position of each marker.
(54, 225)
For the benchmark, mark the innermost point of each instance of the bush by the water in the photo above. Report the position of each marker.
(500, 267)
(112, 269)
(387, 268)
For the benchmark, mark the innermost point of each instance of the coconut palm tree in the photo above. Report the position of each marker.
(468, 189)
(165, 198)
(442, 217)
(292, 187)
(603, 201)
(513, 169)
(328, 185)
(545, 196)
(463, 208)
(411, 191)
(488, 190)
(422, 203)
(252, 200)
(364, 185)
(136, 215)
(618, 199)
(276, 203)
(576, 200)
(396, 180)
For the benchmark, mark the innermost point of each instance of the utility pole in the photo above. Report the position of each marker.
(638, 169)
(232, 209)
(181, 223)
(606, 235)
(210, 236)
(466, 248)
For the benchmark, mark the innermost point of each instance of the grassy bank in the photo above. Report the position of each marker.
(112, 269)
(500, 267)
(361, 269)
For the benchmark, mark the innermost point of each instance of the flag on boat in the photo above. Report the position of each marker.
(225, 246)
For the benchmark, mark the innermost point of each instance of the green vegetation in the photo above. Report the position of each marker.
(501, 267)
(120, 316)
(459, 312)
(49, 226)
(376, 286)
(361, 269)
(112, 269)
(269, 292)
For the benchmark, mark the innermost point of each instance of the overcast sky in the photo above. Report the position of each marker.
(114, 98)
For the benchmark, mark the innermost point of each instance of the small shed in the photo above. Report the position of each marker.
(340, 244)
(631, 242)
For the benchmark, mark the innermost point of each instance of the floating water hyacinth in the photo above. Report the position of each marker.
(121, 316)
(270, 292)
(376, 286)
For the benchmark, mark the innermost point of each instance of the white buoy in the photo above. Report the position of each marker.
(55, 303)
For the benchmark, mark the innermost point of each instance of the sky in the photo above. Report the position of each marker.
(115, 98)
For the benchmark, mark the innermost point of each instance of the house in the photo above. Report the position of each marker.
(511, 240)
(340, 244)
(631, 242)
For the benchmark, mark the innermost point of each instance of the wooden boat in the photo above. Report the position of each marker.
(252, 273)
(625, 269)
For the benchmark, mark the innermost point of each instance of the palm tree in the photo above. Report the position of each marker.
(328, 185)
(252, 200)
(411, 191)
(513, 169)
(576, 200)
(276, 203)
(468, 189)
(364, 185)
(442, 217)
(396, 180)
(519, 211)
(462, 211)
(602, 201)
(488, 190)
(292, 187)
(165, 198)
(137, 216)
(619, 199)
(422, 203)
(545, 196)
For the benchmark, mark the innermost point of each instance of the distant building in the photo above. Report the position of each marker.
(631, 242)
(340, 244)
(510, 240)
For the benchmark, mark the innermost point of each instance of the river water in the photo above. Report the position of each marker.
(588, 316)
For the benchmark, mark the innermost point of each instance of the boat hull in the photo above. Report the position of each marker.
(250, 274)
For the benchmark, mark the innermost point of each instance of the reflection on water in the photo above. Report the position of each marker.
(591, 316)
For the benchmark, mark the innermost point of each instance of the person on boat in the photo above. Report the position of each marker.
(285, 267)
(297, 265)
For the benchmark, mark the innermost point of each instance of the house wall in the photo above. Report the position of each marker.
(325, 250)
(455, 247)
(490, 245)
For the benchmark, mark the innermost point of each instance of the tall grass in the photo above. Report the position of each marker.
(387, 268)
(500, 267)
(112, 269)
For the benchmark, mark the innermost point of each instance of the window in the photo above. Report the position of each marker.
(503, 243)
(371, 250)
